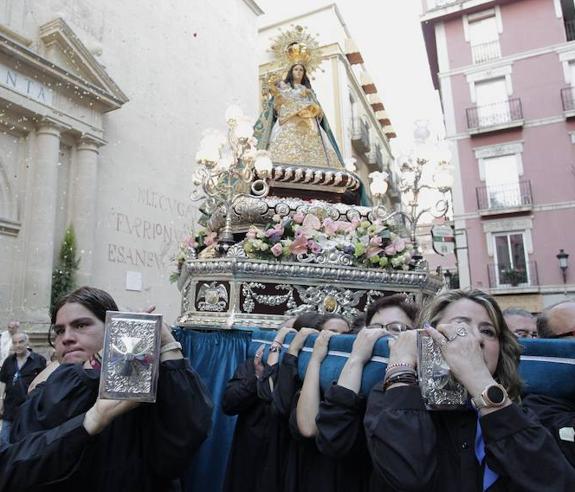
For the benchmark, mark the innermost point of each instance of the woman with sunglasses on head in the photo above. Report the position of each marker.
(491, 444)
(145, 449)
(339, 424)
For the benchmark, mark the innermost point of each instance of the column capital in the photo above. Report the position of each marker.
(51, 126)
(90, 142)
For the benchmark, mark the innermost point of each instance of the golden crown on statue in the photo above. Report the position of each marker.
(296, 46)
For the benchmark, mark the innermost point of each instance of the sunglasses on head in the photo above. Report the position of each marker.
(394, 327)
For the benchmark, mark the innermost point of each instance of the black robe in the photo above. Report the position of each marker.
(249, 399)
(342, 438)
(277, 469)
(310, 470)
(146, 449)
(417, 450)
(555, 414)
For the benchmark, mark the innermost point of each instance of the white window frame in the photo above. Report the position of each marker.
(509, 233)
(485, 75)
(495, 12)
(558, 8)
(567, 57)
(510, 148)
(509, 226)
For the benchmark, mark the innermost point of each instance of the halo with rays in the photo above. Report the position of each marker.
(296, 45)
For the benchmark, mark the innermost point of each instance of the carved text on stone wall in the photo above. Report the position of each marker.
(24, 85)
(167, 203)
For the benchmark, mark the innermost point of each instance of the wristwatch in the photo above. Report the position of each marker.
(493, 396)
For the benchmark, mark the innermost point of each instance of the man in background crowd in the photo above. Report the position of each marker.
(17, 372)
(521, 322)
(6, 340)
(557, 321)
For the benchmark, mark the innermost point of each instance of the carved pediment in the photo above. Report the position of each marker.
(65, 50)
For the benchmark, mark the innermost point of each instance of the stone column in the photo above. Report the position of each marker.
(84, 204)
(41, 222)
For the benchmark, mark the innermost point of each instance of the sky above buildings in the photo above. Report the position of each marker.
(389, 37)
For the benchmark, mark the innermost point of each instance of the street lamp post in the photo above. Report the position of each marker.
(411, 182)
(563, 265)
(230, 168)
(448, 276)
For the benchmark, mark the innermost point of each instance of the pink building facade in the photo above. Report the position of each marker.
(505, 70)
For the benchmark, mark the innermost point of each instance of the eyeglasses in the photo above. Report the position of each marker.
(395, 327)
(524, 334)
(563, 335)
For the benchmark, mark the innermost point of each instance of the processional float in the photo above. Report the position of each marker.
(276, 238)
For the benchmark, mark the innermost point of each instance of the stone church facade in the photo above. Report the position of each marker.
(101, 106)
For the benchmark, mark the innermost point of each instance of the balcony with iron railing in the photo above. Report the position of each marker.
(360, 135)
(570, 29)
(495, 117)
(485, 52)
(568, 101)
(507, 276)
(504, 198)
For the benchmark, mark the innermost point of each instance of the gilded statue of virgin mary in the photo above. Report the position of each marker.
(292, 126)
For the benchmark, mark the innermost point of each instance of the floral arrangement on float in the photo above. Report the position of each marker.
(307, 238)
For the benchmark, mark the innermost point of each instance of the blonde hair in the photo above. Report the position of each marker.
(506, 373)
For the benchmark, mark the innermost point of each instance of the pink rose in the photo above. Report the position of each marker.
(399, 244)
(301, 233)
(330, 226)
(314, 246)
(311, 222)
(390, 250)
(251, 234)
(344, 226)
(298, 245)
(277, 249)
(375, 241)
(373, 250)
(298, 217)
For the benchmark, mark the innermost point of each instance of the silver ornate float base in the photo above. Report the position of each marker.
(241, 292)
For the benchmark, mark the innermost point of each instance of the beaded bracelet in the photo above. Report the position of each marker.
(399, 370)
(404, 378)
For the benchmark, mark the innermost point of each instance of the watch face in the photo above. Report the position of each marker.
(495, 394)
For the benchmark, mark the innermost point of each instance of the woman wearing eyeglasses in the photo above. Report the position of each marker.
(339, 421)
(491, 444)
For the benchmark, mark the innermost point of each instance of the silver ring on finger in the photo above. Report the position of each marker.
(461, 331)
